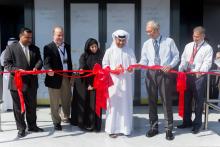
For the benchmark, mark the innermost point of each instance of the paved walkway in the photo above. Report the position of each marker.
(72, 136)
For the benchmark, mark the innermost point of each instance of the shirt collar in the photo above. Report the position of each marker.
(21, 45)
(59, 46)
(158, 38)
(201, 43)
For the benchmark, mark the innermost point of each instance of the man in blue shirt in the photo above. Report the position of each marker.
(161, 51)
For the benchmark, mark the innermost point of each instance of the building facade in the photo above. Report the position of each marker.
(83, 19)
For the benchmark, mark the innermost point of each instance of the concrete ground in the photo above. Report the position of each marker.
(72, 136)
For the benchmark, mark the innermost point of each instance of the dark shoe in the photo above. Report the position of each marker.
(74, 123)
(183, 126)
(57, 127)
(195, 130)
(35, 129)
(113, 135)
(89, 129)
(152, 132)
(21, 133)
(169, 135)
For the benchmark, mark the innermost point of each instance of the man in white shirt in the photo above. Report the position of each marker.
(162, 51)
(196, 57)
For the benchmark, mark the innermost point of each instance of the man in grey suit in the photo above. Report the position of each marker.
(24, 56)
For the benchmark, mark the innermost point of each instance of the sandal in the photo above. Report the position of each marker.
(113, 135)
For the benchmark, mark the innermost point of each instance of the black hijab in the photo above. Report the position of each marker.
(88, 58)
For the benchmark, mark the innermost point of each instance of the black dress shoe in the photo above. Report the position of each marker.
(21, 133)
(57, 127)
(35, 129)
(183, 126)
(195, 130)
(152, 132)
(89, 129)
(169, 135)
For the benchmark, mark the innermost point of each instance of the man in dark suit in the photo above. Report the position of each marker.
(57, 56)
(24, 56)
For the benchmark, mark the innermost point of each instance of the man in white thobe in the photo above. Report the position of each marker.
(120, 104)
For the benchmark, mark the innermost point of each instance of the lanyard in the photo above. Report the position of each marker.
(63, 52)
(194, 54)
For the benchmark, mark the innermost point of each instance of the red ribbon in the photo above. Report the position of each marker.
(180, 83)
(181, 87)
(101, 83)
(19, 85)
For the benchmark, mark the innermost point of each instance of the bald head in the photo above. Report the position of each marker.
(58, 35)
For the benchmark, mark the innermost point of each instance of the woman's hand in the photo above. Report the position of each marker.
(51, 73)
(81, 72)
(90, 87)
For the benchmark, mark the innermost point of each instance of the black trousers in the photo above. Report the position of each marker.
(91, 118)
(159, 82)
(83, 107)
(195, 89)
(30, 101)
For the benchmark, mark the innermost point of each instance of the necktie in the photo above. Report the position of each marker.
(157, 56)
(195, 49)
(27, 54)
(193, 54)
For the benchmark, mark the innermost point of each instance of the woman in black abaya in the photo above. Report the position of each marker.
(84, 95)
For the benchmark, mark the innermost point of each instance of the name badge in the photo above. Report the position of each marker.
(192, 66)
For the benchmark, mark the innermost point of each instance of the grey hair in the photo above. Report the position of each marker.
(199, 29)
(154, 24)
(57, 27)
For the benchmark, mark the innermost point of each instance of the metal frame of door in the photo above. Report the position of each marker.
(103, 31)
